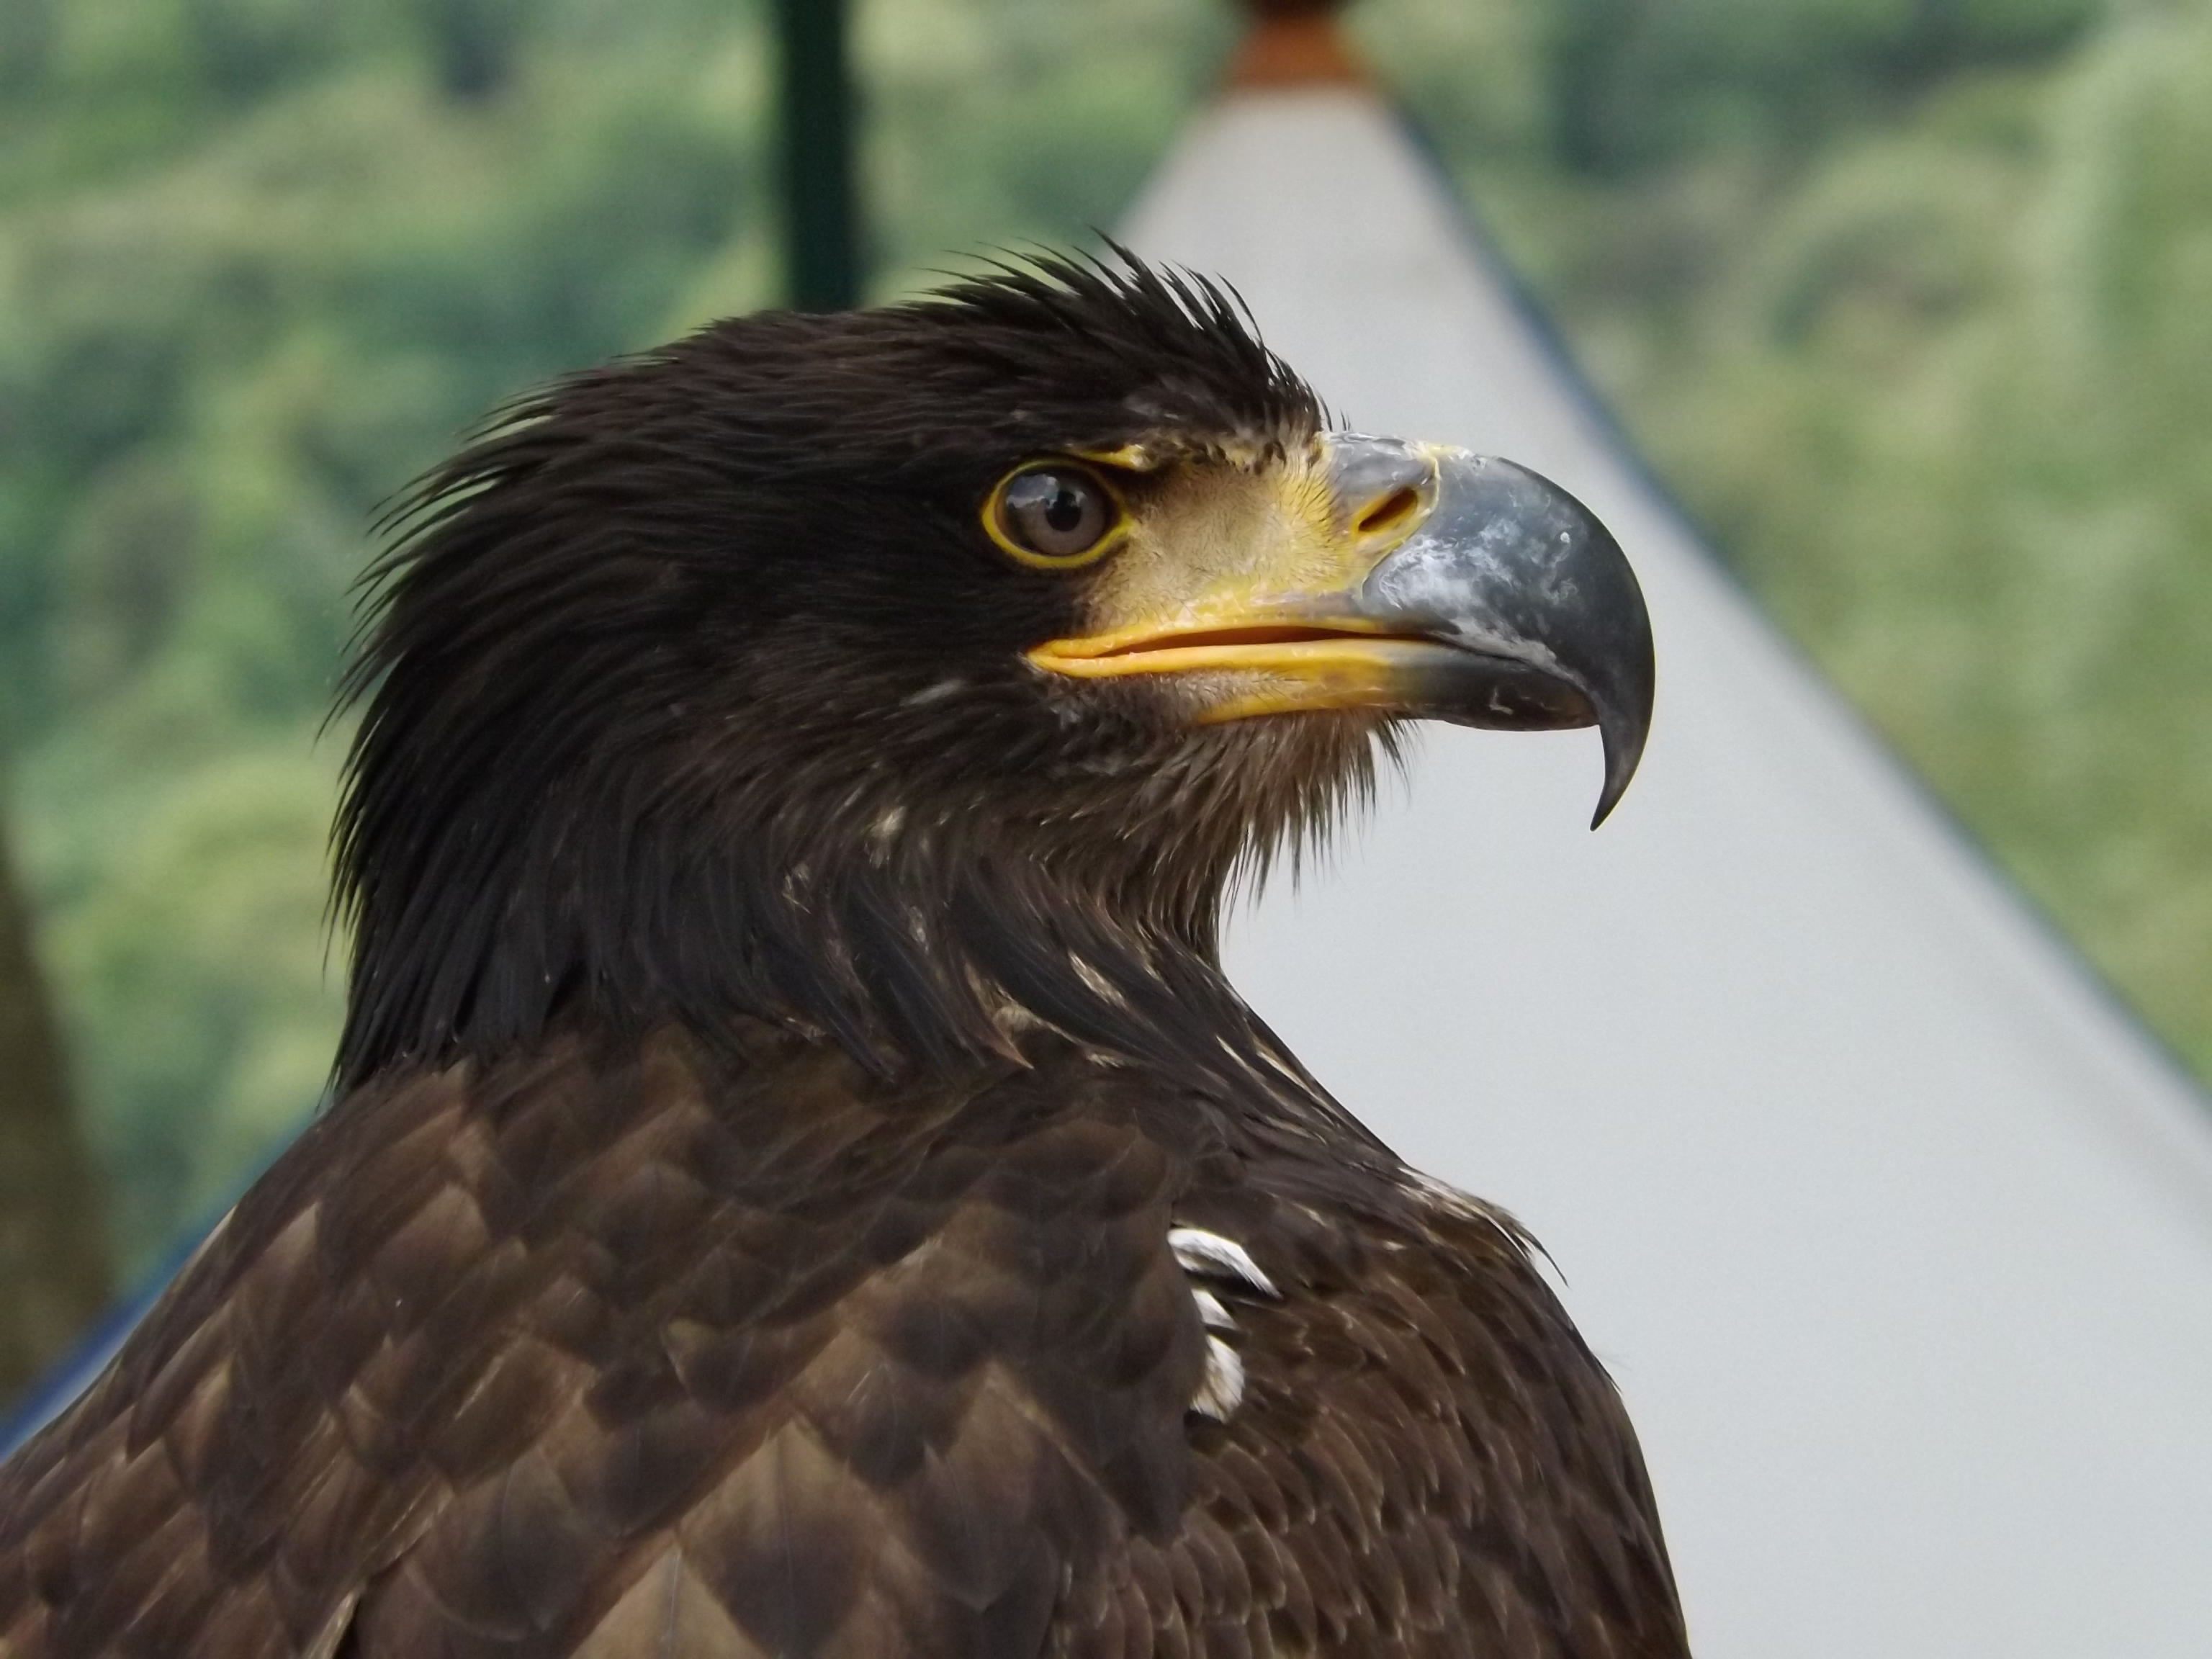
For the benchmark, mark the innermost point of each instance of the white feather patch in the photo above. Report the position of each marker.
(1211, 1313)
(1209, 1255)
(1223, 1390)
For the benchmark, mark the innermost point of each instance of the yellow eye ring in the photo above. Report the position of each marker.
(1055, 514)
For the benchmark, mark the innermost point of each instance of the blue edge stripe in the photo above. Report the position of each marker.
(51, 1394)
(71, 1375)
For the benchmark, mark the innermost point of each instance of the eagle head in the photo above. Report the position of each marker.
(894, 674)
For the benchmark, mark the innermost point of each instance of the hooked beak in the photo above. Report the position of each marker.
(1423, 581)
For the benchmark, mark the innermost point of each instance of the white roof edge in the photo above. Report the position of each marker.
(1896, 1227)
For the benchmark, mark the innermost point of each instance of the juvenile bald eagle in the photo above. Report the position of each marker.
(799, 1183)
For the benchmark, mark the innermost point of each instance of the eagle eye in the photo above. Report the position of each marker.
(1055, 516)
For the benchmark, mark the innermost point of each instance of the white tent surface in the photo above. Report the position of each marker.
(1897, 1236)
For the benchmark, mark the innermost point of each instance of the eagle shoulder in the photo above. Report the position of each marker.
(652, 1356)
(1425, 1457)
(648, 1356)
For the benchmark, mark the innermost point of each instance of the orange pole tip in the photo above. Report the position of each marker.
(1295, 43)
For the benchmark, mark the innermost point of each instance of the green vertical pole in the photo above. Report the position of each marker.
(821, 266)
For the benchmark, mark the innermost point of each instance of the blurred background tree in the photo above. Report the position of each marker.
(1905, 297)
(53, 1242)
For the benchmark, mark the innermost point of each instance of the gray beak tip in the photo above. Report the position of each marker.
(1623, 749)
(1624, 718)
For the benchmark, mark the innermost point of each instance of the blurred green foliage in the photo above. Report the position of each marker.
(1905, 296)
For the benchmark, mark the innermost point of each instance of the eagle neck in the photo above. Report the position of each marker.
(923, 951)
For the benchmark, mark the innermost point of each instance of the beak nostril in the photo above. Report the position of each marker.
(1391, 510)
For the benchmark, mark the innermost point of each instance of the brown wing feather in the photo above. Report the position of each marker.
(652, 1357)
(1427, 1460)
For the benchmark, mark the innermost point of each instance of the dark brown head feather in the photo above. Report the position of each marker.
(693, 690)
